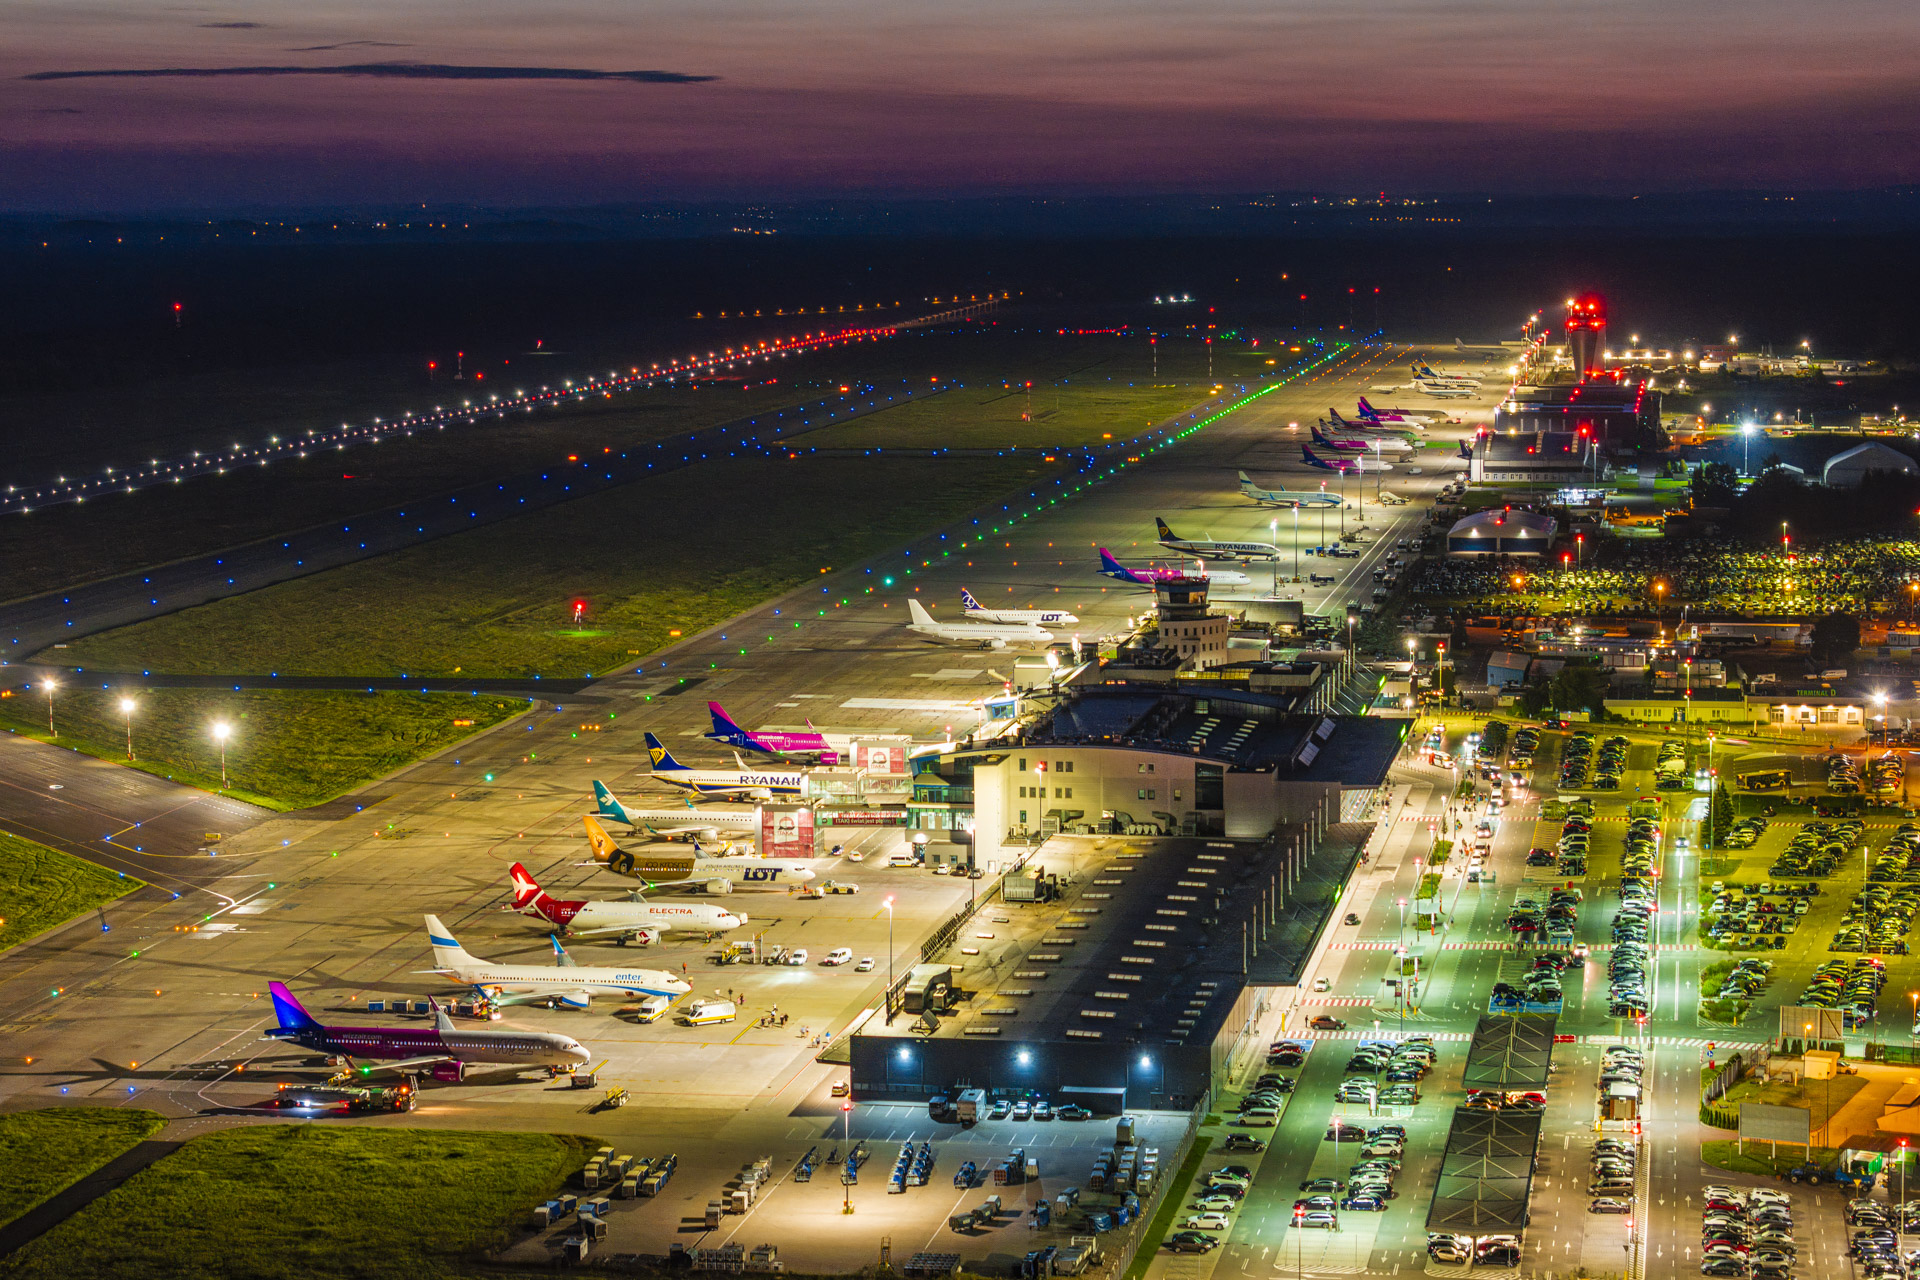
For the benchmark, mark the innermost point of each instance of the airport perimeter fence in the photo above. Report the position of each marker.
(1119, 1257)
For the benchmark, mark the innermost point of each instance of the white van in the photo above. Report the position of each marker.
(839, 955)
(902, 859)
(699, 1013)
(797, 956)
(1259, 1118)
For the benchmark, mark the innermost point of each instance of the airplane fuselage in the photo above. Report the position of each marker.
(559, 980)
(733, 782)
(377, 1044)
(616, 916)
(1210, 550)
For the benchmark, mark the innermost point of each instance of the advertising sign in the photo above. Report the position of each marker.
(1764, 1122)
(786, 831)
(880, 757)
(1813, 1026)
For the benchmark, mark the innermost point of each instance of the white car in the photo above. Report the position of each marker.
(865, 965)
(1208, 1222)
(839, 955)
(797, 956)
(856, 856)
(1321, 984)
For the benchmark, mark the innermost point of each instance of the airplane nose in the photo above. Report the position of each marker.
(738, 920)
(806, 873)
(577, 1052)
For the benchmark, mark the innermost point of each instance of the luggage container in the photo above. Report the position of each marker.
(579, 1249)
(715, 1210)
(543, 1214)
(594, 1228)
(629, 1189)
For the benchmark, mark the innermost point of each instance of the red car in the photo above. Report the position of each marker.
(1323, 1023)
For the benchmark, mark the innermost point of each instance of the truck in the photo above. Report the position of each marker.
(971, 1105)
(699, 1013)
(650, 1009)
(1840, 1176)
(307, 1097)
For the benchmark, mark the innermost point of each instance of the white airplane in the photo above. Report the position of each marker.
(1444, 391)
(1504, 348)
(657, 865)
(632, 918)
(760, 784)
(701, 826)
(564, 982)
(982, 635)
(1288, 497)
(977, 612)
(1208, 549)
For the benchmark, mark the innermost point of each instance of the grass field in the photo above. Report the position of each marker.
(310, 1202)
(1725, 1154)
(289, 748)
(651, 558)
(63, 545)
(42, 1152)
(42, 887)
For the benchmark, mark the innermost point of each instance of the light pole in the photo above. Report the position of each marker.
(888, 904)
(1746, 436)
(52, 684)
(846, 1136)
(1412, 644)
(1273, 532)
(1296, 542)
(126, 708)
(221, 731)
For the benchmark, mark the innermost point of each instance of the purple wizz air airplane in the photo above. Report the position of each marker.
(769, 742)
(442, 1051)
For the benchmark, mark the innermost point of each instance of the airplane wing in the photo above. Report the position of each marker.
(406, 1064)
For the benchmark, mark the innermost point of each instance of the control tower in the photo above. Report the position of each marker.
(1187, 626)
(1587, 334)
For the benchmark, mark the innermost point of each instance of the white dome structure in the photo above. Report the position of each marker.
(1847, 470)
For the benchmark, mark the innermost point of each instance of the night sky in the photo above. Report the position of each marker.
(108, 106)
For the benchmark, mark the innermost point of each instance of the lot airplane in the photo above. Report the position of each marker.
(977, 612)
(1111, 568)
(631, 919)
(821, 748)
(563, 982)
(978, 635)
(443, 1052)
(1361, 443)
(658, 866)
(1208, 549)
(1352, 466)
(702, 826)
(1444, 391)
(1421, 369)
(1288, 497)
(1391, 417)
(761, 784)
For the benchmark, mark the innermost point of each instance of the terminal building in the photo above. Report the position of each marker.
(1609, 413)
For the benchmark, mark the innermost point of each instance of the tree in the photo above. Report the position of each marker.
(1719, 816)
(1580, 688)
(1714, 484)
(1531, 700)
(1835, 637)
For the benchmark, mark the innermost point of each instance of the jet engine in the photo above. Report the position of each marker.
(719, 884)
(448, 1072)
(574, 1000)
(645, 937)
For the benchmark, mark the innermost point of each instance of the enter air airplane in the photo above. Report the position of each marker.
(563, 982)
(977, 612)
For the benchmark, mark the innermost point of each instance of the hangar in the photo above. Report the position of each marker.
(1846, 470)
(1502, 531)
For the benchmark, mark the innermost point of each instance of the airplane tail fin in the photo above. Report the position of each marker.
(1246, 481)
(292, 1016)
(1367, 410)
(441, 1022)
(1166, 534)
(526, 891)
(967, 602)
(560, 956)
(447, 951)
(1114, 569)
(599, 841)
(1309, 456)
(663, 761)
(723, 726)
(607, 805)
(918, 612)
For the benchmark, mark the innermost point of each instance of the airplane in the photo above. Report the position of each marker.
(564, 982)
(1421, 369)
(1111, 568)
(1352, 466)
(1389, 417)
(1207, 549)
(822, 747)
(1288, 498)
(759, 784)
(1501, 350)
(445, 1051)
(657, 866)
(980, 635)
(1360, 443)
(633, 919)
(978, 612)
(700, 826)
(1444, 391)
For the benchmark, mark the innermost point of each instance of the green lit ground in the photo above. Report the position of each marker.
(42, 887)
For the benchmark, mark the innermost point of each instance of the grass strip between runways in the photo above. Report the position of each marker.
(41, 888)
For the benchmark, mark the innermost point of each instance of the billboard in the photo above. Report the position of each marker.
(1764, 1122)
(786, 831)
(887, 758)
(1805, 1023)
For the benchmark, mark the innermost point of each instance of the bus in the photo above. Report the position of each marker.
(1770, 780)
